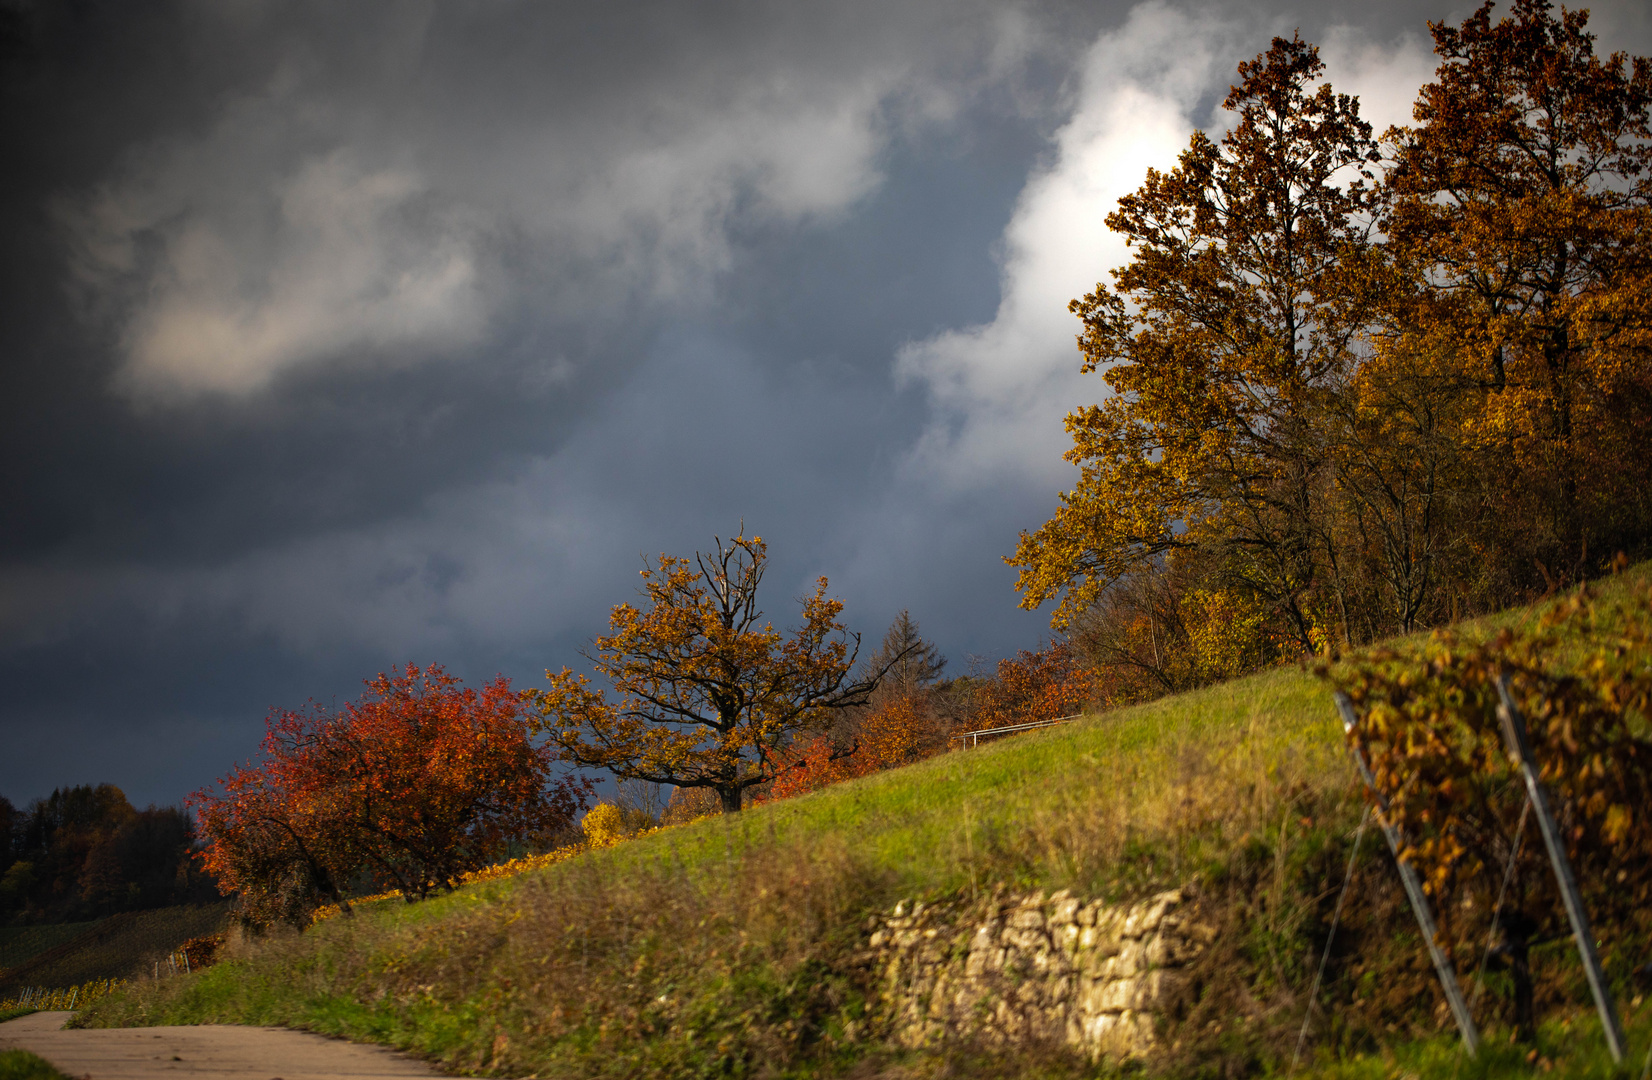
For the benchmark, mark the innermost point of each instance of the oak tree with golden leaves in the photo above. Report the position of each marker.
(705, 693)
(1522, 202)
(1242, 305)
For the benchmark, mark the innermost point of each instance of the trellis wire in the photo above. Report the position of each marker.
(1508, 875)
(1336, 917)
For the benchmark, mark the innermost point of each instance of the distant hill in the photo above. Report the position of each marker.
(120, 946)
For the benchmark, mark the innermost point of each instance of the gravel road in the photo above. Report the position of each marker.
(208, 1052)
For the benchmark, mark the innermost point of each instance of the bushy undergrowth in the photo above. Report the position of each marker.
(731, 947)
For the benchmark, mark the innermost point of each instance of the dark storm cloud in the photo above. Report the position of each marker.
(337, 336)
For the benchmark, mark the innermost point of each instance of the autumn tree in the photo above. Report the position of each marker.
(1523, 199)
(1046, 684)
(1244, 302)
(705, 693)
(417, 783)
(904, 721)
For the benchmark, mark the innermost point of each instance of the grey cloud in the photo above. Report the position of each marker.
(340, 206)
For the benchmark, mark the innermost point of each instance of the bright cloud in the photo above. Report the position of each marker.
(1001, 388)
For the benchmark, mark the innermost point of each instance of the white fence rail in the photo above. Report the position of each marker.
(973, 738)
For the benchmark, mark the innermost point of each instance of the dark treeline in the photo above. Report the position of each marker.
(85, 852)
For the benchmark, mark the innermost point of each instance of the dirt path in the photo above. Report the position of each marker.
(208, 1052)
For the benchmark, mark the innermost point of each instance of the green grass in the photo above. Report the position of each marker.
(13, 1014)
(22, 1065)
(727, 947)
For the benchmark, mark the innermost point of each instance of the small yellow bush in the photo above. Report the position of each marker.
(607, 824)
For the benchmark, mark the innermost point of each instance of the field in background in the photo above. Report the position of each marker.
(729, 946)
(20, 944)
(121, 946)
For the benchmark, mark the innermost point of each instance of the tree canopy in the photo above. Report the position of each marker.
(1236, 312)
(84, 852)
(1361, 385)
(706, 694)
(419, 782)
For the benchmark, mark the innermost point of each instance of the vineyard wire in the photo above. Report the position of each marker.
(1508, 875)
(1313, 994)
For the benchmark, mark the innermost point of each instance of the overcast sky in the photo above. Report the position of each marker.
(337, 336)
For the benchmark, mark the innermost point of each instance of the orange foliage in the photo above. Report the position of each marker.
(899, 732)
(416, 784)
(1042, 685)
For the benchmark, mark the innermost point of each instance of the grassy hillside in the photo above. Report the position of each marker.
(729, 947)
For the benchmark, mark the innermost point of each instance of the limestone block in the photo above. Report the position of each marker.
(1063, 908)
(1031, 941)
(1172, 950)
(1126, 963)
(1142, 1036)
(1026, 917)
(1089, 996)
(1098, 963)
(1144, 918)
(1118, 995)
(1087, 913)
(1067, 937)
(1121, 1035)
(1109, 925)
(1098, 1027)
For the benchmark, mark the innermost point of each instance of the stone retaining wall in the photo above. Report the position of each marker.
(1096, 976)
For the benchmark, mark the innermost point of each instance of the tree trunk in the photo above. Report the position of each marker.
(731, 799)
